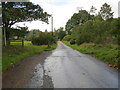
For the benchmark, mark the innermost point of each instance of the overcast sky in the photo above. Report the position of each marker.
(62, 10)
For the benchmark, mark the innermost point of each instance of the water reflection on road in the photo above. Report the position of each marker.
(67, 68)
(70, 69)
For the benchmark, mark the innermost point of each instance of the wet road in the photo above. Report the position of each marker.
(67, 68)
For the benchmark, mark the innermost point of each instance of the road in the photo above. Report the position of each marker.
(67, 68)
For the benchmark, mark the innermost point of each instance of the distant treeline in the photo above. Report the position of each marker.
(97, 31)
(101, 28)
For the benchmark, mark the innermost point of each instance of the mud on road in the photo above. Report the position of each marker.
(18, 75)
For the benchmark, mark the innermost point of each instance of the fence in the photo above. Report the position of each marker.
(17, 42)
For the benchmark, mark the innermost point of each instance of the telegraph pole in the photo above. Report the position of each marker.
(52, 24)
(5, 41)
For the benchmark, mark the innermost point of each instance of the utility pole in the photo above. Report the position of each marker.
(52, 24)
(5, 41)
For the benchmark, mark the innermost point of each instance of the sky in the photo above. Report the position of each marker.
(62, 10)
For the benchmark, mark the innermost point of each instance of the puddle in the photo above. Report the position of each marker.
(39, 79)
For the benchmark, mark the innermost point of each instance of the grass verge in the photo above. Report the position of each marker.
(13, 54)
(106, 53)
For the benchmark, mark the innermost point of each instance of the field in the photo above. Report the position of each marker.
(13, 54)
(106, 53)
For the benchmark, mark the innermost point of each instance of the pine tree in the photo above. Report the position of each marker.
(106, 12)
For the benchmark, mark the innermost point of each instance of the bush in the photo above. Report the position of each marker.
(43, 39)
(80, 39)
(67, 38)
(72, 41)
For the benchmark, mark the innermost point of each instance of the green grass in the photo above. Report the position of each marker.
(106, 53)
(13, 54)
(51, 47)
(19, 43)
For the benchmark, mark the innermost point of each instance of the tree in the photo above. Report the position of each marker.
(93, 10)
(19, 32)
(106, 12)
(95, 30)
(98, 17)
(115, 30)
(84, 33)
(76, 19)
(44, 39)
(33, 34)
(14, 12)
(67, 38)
(60, 33)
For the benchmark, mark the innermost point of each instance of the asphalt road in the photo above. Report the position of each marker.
(67, 68)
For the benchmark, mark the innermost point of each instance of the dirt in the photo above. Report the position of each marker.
(19, 74)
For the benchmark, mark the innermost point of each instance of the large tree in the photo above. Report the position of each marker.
(76, 19)
(106, 12)
(13, 12)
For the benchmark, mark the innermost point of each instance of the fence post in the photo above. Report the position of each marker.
(22, 43)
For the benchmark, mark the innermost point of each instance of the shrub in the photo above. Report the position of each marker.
(72, 41)
(43, 39)
(80, 40)
(67, 38)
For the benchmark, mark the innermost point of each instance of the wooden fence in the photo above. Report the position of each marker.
(17, 42)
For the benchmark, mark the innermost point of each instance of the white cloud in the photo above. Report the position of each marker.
(62, 10)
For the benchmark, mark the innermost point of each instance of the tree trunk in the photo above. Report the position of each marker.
(7, 35)
(7, 42)
(48, 44)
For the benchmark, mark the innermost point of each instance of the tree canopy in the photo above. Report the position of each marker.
(22, 11)
(60, 33)
(76, 19)
(13, 12)
(19, 32)
(101, 28)
(106, 12)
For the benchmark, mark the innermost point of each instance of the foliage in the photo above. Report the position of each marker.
(72, 41)
(100, 29)
(76, 19)
(97, 31)
(67, 38)
(93, 10)
(53, 46)
(60, 33)
(32, 34)
(13, 12)
(25, 11)
(98, 36)
(105, 12)
(19, 33)
(43, 39)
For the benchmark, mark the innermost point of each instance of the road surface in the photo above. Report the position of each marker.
(67, 68)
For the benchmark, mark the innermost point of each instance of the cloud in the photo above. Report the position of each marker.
(62, 10)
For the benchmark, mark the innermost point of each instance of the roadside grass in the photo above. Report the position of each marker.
(106, 53)
(19, 43)
(13, 54)
(51, 47)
